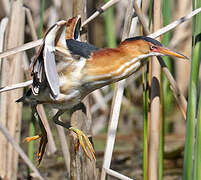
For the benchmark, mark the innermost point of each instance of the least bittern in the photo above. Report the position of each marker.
(82, 68)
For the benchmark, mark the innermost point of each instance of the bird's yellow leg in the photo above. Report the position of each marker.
(79, 133)
(80, 136)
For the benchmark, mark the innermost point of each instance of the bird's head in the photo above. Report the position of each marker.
(147, 46)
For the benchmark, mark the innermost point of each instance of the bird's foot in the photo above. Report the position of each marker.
(42, 146)
(80, 136)
(32, 138)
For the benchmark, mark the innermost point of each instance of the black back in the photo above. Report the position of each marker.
(80, 48)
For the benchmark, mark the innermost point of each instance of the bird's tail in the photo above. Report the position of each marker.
(20, 99)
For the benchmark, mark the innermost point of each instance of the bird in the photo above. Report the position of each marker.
(84, 69)
(53, 43)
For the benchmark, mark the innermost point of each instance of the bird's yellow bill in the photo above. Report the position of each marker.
(169, 52)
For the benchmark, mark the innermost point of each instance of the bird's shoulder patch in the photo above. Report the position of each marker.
(82, 49)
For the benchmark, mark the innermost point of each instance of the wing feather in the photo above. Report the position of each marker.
(36, 68)
(53, 52)
(51, 72)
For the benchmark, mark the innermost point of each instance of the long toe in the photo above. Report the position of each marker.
(32, 138)
(82, 136)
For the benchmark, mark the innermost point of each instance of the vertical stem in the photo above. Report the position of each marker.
(42, 18)
(161, 143)
(12, 73)
(109, 27)
(31, 144)
(166, 94)
(192, 102)
(197, 162)
(150, 12)
(167, 98)
(116, 102)
(147, 94)
(155, 123)
(145, 131)
(191, 112)
(145, 81)
(146, 104)
(197, 157)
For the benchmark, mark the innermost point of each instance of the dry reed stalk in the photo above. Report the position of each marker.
(117, 175)
(109, 95)
(100, 11)
(182, 32)
(155, 115)
(5, 8)
(2, 139)
(3, 25)
(113, 122)
(11, 74)
(53, 16)
(64, 148)
(31, 24)
(51, 147)
(96, 106)
(99, 99)
(175, 23)
(116, 102)
(21, 48)
(16, 86)
(182, 41)
(179, 97)
(67, 9)
(80, 166)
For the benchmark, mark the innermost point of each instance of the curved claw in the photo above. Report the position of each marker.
(81, 135)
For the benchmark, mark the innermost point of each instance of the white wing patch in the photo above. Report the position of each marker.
(51, 71)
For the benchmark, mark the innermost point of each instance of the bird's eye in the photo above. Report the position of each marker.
(152, 47)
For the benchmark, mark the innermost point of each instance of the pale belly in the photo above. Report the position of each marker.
(72, 92)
